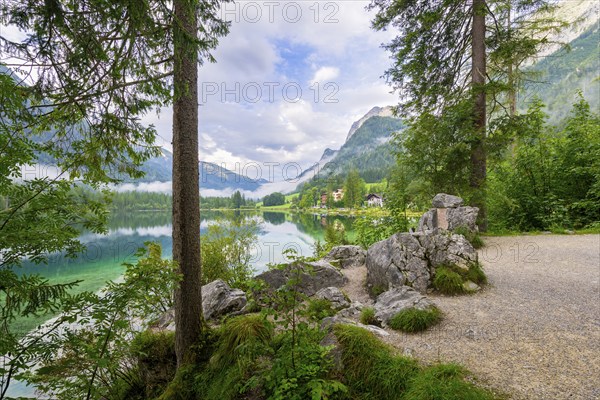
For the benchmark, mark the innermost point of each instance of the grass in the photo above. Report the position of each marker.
(367, 316)
(414, 320)
(444, 381)
(373, 371)
(447, 281)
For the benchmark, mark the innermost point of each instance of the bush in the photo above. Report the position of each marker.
(447, 281)
(319, 309)
(367, 316)
(414, 320)
(444, 381)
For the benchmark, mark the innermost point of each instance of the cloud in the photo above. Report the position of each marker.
(325, 74)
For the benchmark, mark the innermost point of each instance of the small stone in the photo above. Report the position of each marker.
(471, 287)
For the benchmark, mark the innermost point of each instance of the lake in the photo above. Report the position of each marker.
(105, 254)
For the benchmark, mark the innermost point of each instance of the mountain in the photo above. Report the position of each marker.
(366, 148)
(212, 176)
(375, 111)
(564, 73)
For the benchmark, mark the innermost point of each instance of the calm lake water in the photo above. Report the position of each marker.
(105, 254)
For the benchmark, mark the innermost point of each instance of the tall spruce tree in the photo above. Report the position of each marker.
(90, 70)
(441, 55)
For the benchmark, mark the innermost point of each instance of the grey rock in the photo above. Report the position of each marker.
(443, 200)
(314, 276)
(427, 222)
(346, 256)
(462, 217)
(397, 261)
(329, 322)
(219, 299)
(166, 322)
(398, 299)
(444, 248)
(353, 311)
(471, 287)
(335, 296)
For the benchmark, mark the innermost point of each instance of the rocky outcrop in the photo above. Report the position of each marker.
(398, 299)
(448, 214)
(346, 256)
(411, 259)
(313, 277)
(335, 296)
(219, 299)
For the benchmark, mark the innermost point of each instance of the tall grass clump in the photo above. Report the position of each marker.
(414, 320)
(371, 371)
(447, 281)
(367, 316)
(444, 381)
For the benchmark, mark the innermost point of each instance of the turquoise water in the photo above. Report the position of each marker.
(103, 258)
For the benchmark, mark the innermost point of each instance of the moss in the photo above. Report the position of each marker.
(414, 320)
(155, 352)
(447, 281)
(444, 381)
(367, 316)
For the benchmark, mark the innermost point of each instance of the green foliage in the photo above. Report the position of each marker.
(354, 190)
(274, 199)
(447, 281)
(444, 381)
(372, 228)
(226, 251)
(550, 180)
(84, 359)
(156, 364)
(371, 371)
(134, 200)
(414, 320)
(241, 340)
(319, 309)
(367, 316)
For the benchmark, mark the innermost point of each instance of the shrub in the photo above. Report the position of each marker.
(367, 316)
(447, 281)
(444, 381)
(241, 338)
(319, 309)
(414, 320)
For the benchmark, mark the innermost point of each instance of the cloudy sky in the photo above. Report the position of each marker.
(290, 79)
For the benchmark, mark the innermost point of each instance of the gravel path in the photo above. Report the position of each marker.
(534, 332)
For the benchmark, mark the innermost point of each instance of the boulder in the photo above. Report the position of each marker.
(448, 214)
(443, 200)
(335, 296)
(462, 217)
(397, 261)
(411, 259)
(219, 299)
(398, 299)
(314, 276)
(346, 256)
(353, 311)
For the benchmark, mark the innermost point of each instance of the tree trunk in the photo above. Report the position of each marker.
(478, 76)
(186, 201)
